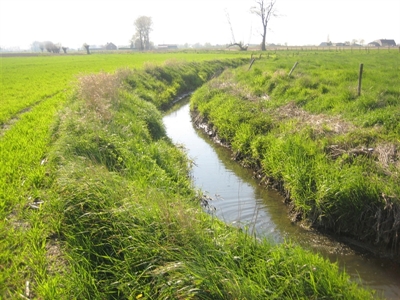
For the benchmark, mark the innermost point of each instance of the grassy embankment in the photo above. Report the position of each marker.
(334, 154)
(97, 204)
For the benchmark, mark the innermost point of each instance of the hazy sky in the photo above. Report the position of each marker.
(96, 22)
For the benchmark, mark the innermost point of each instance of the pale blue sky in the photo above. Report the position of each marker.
(301, 22)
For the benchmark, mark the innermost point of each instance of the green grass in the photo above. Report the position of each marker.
(311, 133)
(98, 204)
(25, 81)
(136, 230)
(23, 175)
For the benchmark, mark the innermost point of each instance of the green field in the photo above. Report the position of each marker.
(26, 81)
(97, 202)
(334, 154)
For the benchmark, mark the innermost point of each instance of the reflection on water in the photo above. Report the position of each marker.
(239, 200)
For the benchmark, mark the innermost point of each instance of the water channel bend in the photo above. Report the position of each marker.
(239, 200)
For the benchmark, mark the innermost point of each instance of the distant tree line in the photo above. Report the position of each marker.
(48, 46)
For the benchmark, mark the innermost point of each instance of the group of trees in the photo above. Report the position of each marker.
(265, 10)
(141, 38)
(48, 46)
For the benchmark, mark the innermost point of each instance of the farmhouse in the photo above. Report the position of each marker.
(382, 43)
(110, 46)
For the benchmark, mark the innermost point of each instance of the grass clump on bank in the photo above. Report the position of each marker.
(120, 219)
(314, 139)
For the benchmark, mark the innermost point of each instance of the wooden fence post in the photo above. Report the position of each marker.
(291, 71)
(251, 63)
(360, 79)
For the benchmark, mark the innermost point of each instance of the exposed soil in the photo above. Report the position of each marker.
(322, 123)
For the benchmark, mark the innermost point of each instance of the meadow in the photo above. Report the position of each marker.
(331, 152)
(97, 202)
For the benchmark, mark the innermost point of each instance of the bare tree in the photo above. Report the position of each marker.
(265, 10)
(233, 42)
(86, 46)
(143, 27)
(240, 45)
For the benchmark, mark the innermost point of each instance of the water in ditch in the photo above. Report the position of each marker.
(240, 201)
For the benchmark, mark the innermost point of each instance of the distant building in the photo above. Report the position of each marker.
(167, 46)
(382, 43)
(125, 47)
(340, 44)
(110, 46)
(325, 44)
(374, 44)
